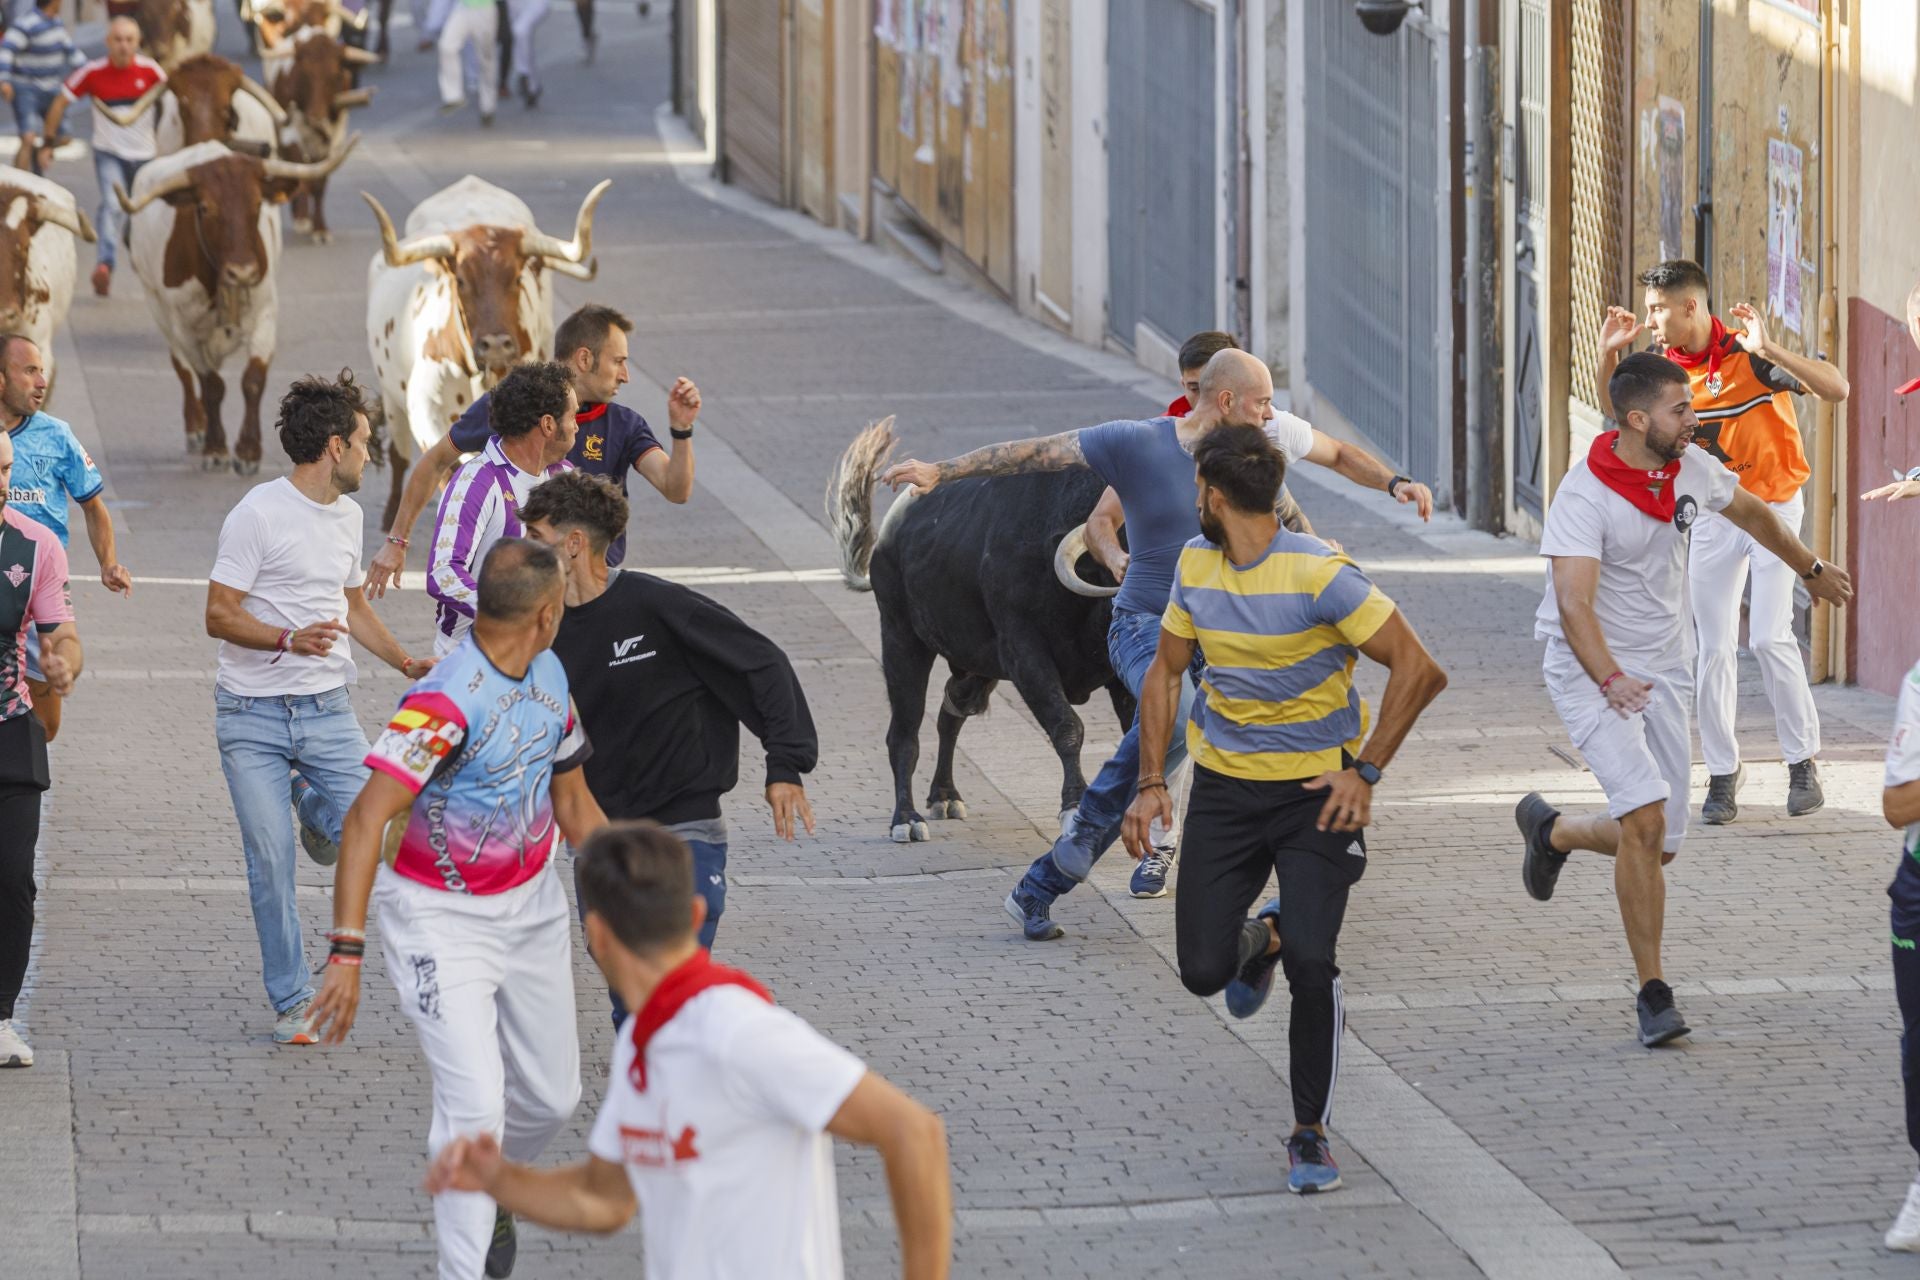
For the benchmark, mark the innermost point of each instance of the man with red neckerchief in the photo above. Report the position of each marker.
(1743, 385)
(721, 1107)
(1619, 660)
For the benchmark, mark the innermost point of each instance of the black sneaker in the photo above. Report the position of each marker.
(506, 1244)
(1541, 866)
(1249, 988)
(1721, 807)
(1659, 1020)
(1803, 789)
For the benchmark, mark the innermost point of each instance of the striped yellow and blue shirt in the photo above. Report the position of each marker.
(1280, 637)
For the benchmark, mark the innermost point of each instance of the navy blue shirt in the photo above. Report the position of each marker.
(612, 438)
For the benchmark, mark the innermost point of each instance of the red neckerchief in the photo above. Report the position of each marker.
(1651, 491)
(1180, 408)
(699, 973)
(1688, 360)
(587, 413)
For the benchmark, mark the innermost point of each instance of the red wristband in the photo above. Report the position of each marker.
(354, 961)
(1610, 679)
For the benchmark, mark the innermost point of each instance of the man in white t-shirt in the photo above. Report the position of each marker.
(1900, 805)
(284, 578)
(719, 1106)
(1619, 661)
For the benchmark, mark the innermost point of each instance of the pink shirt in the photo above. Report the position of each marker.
(33, 592)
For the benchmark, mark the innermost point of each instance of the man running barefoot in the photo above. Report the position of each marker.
(1282, 784)
(1619, 661)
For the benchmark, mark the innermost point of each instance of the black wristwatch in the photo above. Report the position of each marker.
(1369, 773)
(1395, 483)
(678, 434)
(1814, 572)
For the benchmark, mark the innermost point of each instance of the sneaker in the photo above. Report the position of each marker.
(1659, 1020)
(1151, 872)
(505, 1246)
(14, 1049)
(1541, 866)
(321, 849)
(1311, 1167)
(1033, 915)
(448, 108)
(1074, 859)
(1721, 807)
(486, 120)
(102, 279)
(295, 1026)
(1903, 1236)
(1249, 988)
(1803, 789)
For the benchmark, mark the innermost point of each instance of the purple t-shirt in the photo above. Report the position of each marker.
(612, 438)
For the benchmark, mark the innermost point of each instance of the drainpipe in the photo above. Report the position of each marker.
(1481, 273)
(1703, 126)
(1823, 633)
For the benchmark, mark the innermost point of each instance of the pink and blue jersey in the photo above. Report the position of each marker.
(34, 596)
(479, 749)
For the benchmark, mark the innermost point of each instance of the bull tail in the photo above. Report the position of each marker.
(850, 501)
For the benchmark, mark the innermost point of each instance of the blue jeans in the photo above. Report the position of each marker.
(710, 882)
(1132, 640)
(111, 221)
(262, 741)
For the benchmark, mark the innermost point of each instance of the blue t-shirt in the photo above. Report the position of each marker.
(612, 438)
(49, 467)
(1153, 474)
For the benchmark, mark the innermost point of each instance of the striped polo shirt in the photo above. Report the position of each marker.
(1280, 636)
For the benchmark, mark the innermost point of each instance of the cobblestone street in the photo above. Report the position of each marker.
(1495, 1114)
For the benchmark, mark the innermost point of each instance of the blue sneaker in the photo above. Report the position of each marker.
(1031, 913)
(1151, 872)
(1249, 988)
(1311, 1164)
(322, 850)
(1074, 859)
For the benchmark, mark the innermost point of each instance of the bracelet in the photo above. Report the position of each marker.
(347, 949)
(678, 434)
(282, 645)
(398, 542)
(348, 935)
(351, 961)
(1610, 679)
(1152, 784)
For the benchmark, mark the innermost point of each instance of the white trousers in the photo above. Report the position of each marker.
(525, 15)
(1642, 759)
(488, 982)
(480, 25)
(1722, 556)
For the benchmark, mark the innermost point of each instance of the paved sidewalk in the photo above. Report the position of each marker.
(1496, 1116)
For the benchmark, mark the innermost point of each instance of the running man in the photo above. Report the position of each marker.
(483, 757)
(1900, 804)
(1619, 660)
(532, 411)
(721, 1107)
(666, 678)
(49, 470)
(35, 56)
(1282, 784)
(614, 441)
(1149, 464)
(1742, 385)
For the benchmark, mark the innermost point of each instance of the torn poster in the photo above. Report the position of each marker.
(1670, 160)
(1784, 167)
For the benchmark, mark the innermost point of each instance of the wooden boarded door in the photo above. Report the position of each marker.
(753, 95)
(812, 108)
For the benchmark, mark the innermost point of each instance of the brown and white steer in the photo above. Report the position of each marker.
(171, 31)
(205, 240)
(280, 25)
(315, 91)
(38, 222)
(463, 298)
(208, 99)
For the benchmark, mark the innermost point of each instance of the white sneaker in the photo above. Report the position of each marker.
(295, 1026)
(1903, 1235)
(14, 1049)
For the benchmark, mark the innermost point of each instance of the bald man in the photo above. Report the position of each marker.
(1150, 465)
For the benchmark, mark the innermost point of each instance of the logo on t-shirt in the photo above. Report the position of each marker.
(591, 451)
(623, 651)
(1684, 512)
(654, 1148)
(16, 574)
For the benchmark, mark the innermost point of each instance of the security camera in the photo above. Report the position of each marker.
(1383, 17)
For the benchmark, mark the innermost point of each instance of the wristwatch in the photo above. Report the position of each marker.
(1395, 483)
(1369, 773)
(1814, 572)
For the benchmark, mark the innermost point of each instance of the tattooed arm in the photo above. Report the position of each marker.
(1292, 518)
(1042, 453)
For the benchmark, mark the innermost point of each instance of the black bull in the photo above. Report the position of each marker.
(965, 573)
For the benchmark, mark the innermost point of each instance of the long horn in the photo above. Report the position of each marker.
(1066, 555)
(159, 190)
(360, 57)
(71, 218)
(418, 249)
(128, 117)
(578, 249)
(258, 92)
(578, 270)
(277, 168)
(353, 98)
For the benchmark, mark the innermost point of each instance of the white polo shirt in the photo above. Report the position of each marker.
(1903, 753)
(1642, 597)
(726, 1144)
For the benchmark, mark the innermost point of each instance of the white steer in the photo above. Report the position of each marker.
(38, 221)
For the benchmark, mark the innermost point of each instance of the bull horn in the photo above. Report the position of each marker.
(360, 57)
(358, 21)
(418, 249)
(352, 98)
(130, 116)
(1068, 554)
(158, 191)
(578, 270)
(578, 249)
(277, 168)
(70, 218)
(258, 92)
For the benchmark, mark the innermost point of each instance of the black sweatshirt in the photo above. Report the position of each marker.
(663, 678)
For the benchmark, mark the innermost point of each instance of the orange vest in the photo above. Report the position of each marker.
(1747, 420)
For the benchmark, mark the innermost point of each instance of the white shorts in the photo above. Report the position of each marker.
(1640, 760)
